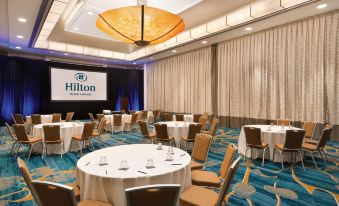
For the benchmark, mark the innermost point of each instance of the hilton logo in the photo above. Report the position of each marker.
(76, 87)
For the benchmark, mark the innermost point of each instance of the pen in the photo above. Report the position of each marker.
(142, 172)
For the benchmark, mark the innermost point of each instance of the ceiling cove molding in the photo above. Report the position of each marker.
(255, 11)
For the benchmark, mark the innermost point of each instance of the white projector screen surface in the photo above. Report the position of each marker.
(75, 85)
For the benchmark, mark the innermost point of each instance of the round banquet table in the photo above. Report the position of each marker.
(177, 129)
(107, 183)
(275, 136)
(126, 118)
(187, 118)
(47, 118)
(67, 131)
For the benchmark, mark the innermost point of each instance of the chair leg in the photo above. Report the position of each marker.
(263, 157)
(17, 151)
(273, 154)
(245, 154)
(282, 160)
(13, 148)
(316, 166)
(325, 154)
(79, 142)
(322, 157)
(30, 151)
(302, 161)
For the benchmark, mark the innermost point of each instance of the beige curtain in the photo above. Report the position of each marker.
(290, 71)
(181, 83)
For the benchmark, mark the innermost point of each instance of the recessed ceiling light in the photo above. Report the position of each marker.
(90, 13)
(204, 42)
(18, 47)
(19, 36)
(23, 20)
(76, 29)
(321, 6)
(134, 63)
(66, 54)
(174, 51)
(248, 28)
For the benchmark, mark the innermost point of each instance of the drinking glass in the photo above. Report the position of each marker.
(123, 164)
(159, 147)
(103, 160)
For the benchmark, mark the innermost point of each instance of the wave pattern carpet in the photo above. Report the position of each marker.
(293, 186)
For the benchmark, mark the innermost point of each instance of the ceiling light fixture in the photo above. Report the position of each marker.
(204, 42)
(76, 29)
(174, 51)
(140, 25)
(23, 20)
(321, 6)
(134, 63)
(90, 13)
(19, 36)
(66, 54)
(18, 47)
(248, 28)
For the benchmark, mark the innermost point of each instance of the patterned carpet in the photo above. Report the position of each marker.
(293, 186)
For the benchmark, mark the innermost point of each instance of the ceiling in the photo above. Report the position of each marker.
(15, 36)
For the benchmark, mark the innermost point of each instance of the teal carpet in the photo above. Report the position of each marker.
(293, 186)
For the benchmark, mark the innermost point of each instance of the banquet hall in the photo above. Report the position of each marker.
(169, 103)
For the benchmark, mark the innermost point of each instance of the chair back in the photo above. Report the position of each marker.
(123, 111)
(309, 129)
(18, 119)
(88, 130)
(139, 116)
(205, 114)
(203, 121)
(56, 117)
(283, 122)
(10, 131)
(69, 116)
(101, 126)
(293, 140)
(168, 117)
(228, 181)
(196, 117)
(51, 133)
(253, 136)
(201, 147)
(131, 111)
(54, 194)
(100, 116)
(161, 131)
(156, 113)
(226, 163)
(214, 126)
(179, 117)
(144, 114)
(20, 132)
(211, 115)
(143, 128)
(27, 177)
(134, 118)
(117, 120)
(325, 135)
(91, 117)
(153, 195)
(193, 129)
(36, 118)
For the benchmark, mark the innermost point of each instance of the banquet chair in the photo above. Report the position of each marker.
(56, 117)
(162, 134)
(253, 141)
(123, 111)
(52, 136)
(99, 117)
(144, 115)
(196, 117)
(117, 122)
(24, 139)
(18, 119)
(211, 179)
(139, 116)
(293, 144)
(133, 122)
(209, 120)
(198, 195)
(91, 117)
(283, 122)
(85, 136)
(156, 115)
(55, 194)
(205, 114)
(212, 129)
(202, 121)
(36, 119)
(15, 141)
(319, 147)
(179, 117)
(131, 111)
(153, 195)
(69, 116)
(309, 128)
(200, 151)
(168, 117)
(314, 141)
(99, 131)
(193, 129)
(145, 133)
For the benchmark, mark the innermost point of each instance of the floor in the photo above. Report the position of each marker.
(293, 186)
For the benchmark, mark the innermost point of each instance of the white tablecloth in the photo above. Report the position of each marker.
(177, 129)
(187, 118)
(275, 136)
(44, 119)
(67, 131)
(107, 183)
(126, 118)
